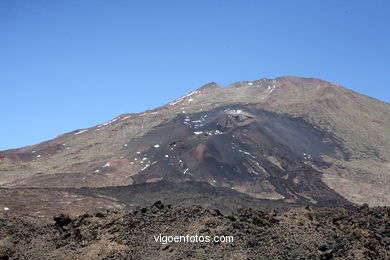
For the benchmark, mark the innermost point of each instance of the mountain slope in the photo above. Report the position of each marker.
(293, 140)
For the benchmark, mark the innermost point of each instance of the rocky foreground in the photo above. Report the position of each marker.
(301, 233)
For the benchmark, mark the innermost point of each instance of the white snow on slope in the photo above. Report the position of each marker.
(146, 166)
(80, 132)
(106, 165)
(183, 97)
(108, 123)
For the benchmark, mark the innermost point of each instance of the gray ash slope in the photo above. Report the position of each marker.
(258, 153)
(288, 141)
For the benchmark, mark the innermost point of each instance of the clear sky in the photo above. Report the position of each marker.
(71, 64)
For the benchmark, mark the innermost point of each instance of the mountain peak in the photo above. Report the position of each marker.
(211, 85)
(298, 81)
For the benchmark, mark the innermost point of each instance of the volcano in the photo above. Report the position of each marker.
(270, 144)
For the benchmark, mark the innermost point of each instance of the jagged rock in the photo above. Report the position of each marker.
(361, 233)
(62, 220)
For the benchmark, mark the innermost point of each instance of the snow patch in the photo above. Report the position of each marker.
(244, 152)
(146, 166)
(175, 102)
(106, 165)
(216, 132)
(183, 97)
(126, 117)
(80, 132)
(271, 88)
(108, 123)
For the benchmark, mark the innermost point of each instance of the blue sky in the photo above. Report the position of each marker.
(66, 65)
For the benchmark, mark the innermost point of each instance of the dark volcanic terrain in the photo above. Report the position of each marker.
(302, 233)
